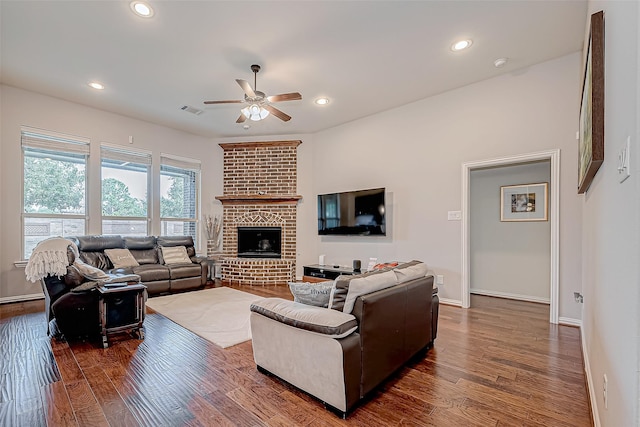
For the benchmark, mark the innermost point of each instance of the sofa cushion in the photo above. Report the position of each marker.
(341, 288)
(180, 271)
(314, 319)
(145, 256)
(175, 255)
(410, 270)
(151, 272)
(96, 259)
(142, 242)
(367, 284)
(121, 258)
(98, 243)
(317, 294)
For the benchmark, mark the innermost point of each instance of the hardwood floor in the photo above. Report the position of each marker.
(499, 363)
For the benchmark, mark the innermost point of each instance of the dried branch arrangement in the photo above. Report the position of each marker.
(213, 227)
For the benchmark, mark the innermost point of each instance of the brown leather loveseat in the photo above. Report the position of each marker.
(340, 355)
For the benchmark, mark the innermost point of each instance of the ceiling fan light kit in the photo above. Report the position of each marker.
(259, 106)
(255, 112)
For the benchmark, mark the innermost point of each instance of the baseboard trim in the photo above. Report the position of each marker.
(21, 298)
(447, 301)
(568, 321)
(510, 296)
(590, 385)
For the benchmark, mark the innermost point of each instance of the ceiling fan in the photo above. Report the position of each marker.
(259, 104)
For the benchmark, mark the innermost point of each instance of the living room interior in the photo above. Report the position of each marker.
(390, 123)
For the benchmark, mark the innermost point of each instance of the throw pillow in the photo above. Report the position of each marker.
(121, 258)
(341, 288)
(316, 294)
(366, 285)
(410, 270)
(175, 255)
(89, 271)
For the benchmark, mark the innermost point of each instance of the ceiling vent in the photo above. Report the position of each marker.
(192, 110)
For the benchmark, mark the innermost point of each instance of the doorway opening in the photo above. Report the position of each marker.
(553, 156)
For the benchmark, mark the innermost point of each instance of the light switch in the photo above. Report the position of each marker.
(454, 216)
(624, 157)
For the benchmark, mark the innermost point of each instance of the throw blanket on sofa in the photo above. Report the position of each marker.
(49, 258)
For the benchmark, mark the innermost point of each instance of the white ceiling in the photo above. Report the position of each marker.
(366, 56)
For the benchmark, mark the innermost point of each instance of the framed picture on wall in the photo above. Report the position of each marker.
(526, 202)
(591, 143)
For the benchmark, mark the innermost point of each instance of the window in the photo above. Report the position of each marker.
(125, 189)
(55, 182)
(179, 194)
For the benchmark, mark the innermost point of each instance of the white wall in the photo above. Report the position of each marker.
(508, 259)
(416, 152)
(611, 229)
(20, 107)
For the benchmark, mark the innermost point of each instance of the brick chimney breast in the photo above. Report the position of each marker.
(259, 186)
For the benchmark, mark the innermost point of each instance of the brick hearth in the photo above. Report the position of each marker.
(259, 184)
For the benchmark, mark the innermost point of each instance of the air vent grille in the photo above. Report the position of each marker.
(192, 110)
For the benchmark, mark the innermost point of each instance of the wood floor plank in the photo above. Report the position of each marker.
(114, 408)
(499, 363)
(57, 406)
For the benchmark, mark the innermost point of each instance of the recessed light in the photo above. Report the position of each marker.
(141, 8)
(96, 85)
(461, 45)
(500, 62)
(322, 101)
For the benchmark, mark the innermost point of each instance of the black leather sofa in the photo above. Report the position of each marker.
(76, 313)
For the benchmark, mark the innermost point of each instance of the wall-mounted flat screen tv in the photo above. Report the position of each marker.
(351, 213)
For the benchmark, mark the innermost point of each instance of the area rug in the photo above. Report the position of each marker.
(219, 315)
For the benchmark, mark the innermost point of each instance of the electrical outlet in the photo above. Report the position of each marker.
(439, 279)
(605, 386)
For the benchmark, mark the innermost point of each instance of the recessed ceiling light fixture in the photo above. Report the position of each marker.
(461, 45)
(500, 62)
(96, 85)
(322, 101)
(141, 8)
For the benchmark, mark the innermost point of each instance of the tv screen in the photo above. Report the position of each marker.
(359, 212)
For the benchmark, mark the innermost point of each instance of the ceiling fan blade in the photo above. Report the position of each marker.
(241, 119)
(224, 102)
(246, 87)
(279, 114)
(293, 96)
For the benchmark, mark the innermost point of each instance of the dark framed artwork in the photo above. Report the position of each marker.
(591, 142)
(526, 202)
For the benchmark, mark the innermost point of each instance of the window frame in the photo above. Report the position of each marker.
(56, 142)
(141, 157)
(186, 164)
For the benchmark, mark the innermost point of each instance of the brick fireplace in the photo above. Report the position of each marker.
(259, 186)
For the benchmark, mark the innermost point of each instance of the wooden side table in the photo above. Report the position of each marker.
(121, 308)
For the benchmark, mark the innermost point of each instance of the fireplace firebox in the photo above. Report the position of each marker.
(259, 242)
